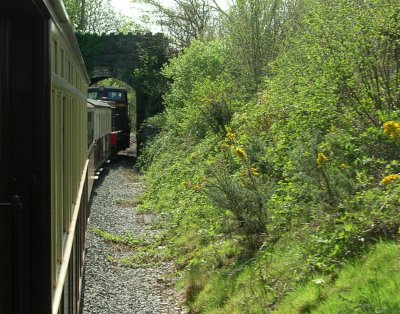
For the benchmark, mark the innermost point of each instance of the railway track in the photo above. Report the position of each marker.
(109, 286)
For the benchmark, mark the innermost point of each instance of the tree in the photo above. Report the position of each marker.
(96, 16)
(185, 20)
(257, 30)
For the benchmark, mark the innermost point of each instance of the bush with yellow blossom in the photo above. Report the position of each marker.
(390, 178)
(321, 159)
(392, 129)
(240, 153)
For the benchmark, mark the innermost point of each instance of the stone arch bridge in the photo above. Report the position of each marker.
(131, 58)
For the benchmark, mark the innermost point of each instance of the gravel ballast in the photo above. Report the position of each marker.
(110, 287)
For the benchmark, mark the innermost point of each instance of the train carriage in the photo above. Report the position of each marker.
(101, 146)
(90, 124)
(43, 159)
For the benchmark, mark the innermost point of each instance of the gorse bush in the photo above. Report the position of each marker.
(237, 189)
(291, 181)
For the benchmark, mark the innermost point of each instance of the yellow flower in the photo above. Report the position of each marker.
(254, 172)
(241, 153)
(249, 172)
(230, 135)
(390, 178)
(197, 187)
(321, 159)
(392, 129)
(342, 166)
(185, 184)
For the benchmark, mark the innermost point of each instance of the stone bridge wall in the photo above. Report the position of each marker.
(118, 55)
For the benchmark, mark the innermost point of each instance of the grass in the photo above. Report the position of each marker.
(124, 203)
(147, 257)
(368, 285)
(147, 251)
(278, 282)
(254, 286)
(127, 239)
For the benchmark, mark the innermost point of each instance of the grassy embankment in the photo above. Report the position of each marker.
(286, 197)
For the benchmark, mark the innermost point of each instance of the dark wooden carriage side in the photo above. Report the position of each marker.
(27, 282)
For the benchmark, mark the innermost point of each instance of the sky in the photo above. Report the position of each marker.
(136, 10)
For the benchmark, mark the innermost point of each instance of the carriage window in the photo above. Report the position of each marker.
(114, 95)
(55, 56)
(62, 61)
(92, 95)
(69, 71)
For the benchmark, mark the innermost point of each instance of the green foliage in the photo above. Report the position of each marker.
(368, 217)
(267, 191)
(239, 192)
(150, 84)
(147, 75)
(257, 31)
(89, 45)
(96, 16)
(201, 62)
